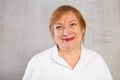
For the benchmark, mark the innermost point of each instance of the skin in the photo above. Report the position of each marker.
(68, 36)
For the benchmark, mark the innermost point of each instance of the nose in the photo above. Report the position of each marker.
(66, 31)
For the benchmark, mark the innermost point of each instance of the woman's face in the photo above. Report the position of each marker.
(67, 32)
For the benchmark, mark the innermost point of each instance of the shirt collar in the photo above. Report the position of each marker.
(83, 59)
(59, 60)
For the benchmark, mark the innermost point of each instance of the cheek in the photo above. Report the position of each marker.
(56, 34)
(79, 33)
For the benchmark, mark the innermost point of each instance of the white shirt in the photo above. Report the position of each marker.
(48, 65)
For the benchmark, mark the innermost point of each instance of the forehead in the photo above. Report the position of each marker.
(68, 16)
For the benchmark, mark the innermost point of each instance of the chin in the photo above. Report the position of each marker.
(69, 47)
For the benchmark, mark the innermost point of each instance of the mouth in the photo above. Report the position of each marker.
(68, 39)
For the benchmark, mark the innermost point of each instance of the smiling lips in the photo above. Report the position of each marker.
(68, 39)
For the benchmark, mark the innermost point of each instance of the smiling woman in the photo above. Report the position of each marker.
(68, 59)
(67, 32)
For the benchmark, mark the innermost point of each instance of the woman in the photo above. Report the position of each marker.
(68, 59)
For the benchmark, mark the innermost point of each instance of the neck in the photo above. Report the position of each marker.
(69, 52)
(71, 56)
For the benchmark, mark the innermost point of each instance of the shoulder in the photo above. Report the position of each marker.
(96, 63)
(92, 55)
(42, 56)
(95, 59)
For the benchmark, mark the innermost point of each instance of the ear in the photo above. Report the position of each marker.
(83, 31)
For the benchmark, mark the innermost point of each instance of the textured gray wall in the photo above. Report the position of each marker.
(24, 32)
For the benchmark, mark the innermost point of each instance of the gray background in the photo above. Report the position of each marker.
(24, 32)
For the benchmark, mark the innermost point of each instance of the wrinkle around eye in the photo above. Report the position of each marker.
(73, 24)
(57, 27)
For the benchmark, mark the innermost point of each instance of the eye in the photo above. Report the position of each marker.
(72, 24)
(58, 27)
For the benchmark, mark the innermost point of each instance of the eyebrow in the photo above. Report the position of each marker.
(61, 24)
(72, 21)
(57, 24)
